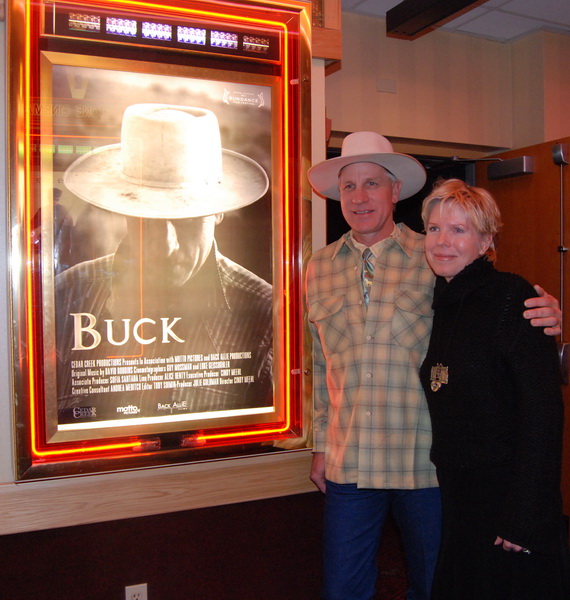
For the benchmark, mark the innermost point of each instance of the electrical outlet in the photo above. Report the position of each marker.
(136, 592)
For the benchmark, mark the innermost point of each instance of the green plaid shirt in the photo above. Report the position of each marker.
(370, 414)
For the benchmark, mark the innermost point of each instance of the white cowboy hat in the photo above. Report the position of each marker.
(367, 146)
(170, 164)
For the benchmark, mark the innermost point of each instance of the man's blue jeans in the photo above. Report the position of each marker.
(353, 524)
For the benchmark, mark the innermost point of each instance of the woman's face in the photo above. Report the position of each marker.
(452, 242)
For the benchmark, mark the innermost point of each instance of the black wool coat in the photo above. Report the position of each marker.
(502, 407)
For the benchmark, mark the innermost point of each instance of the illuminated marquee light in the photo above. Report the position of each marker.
(224, 39)
(256, 44)
(191, 35)
(126, 27)
(85, 24)
(156, 31)
(80, 22)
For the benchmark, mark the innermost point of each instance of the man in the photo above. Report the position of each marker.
(181, 328)
(370, 330)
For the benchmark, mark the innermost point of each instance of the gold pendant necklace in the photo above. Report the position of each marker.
(439, 376)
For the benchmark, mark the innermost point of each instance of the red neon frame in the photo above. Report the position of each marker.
(289, 335)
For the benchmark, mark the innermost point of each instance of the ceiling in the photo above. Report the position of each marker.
(498, 20)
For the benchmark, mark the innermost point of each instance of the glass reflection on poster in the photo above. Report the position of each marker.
(162, 270)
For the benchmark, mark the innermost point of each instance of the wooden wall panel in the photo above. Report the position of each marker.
(268, 549)
(531, 210)
(64, 502)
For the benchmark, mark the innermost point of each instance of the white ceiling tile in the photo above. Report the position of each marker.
(554, 11)
(468, 16)
(498, 26)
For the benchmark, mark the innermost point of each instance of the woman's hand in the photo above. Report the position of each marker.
(509, 546)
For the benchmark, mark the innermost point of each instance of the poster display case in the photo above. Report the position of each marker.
(156, 174)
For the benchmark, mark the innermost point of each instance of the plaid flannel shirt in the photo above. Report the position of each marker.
(370, 414)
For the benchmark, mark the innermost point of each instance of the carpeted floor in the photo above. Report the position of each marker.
(392, 582)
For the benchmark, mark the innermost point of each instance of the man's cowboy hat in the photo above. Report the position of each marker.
(170, 164)
(366, 146)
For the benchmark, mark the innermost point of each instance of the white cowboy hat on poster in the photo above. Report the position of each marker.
(170, 164)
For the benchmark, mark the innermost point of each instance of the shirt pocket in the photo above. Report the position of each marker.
(412, 319)
(329, 317)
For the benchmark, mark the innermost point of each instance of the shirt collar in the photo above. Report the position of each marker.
(403, 237)
(399, 237)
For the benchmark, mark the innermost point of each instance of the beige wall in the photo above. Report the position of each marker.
(451, 89)
(556, 86)
(528, 86)
(541, 88)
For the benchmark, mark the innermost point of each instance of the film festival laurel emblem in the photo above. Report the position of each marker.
(244, 98)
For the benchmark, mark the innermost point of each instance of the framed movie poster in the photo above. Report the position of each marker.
(156, 203)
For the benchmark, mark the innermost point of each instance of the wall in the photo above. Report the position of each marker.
(450, 89)
(556, 86)
(268, 549)
(541, 88)
(441, 85)
(528, 73)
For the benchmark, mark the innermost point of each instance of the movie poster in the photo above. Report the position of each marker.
(161, 268)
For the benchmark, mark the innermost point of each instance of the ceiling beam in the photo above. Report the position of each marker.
(413, 18)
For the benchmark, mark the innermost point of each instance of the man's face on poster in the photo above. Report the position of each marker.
(175, 250)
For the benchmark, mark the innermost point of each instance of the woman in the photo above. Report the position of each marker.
(493, 387)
